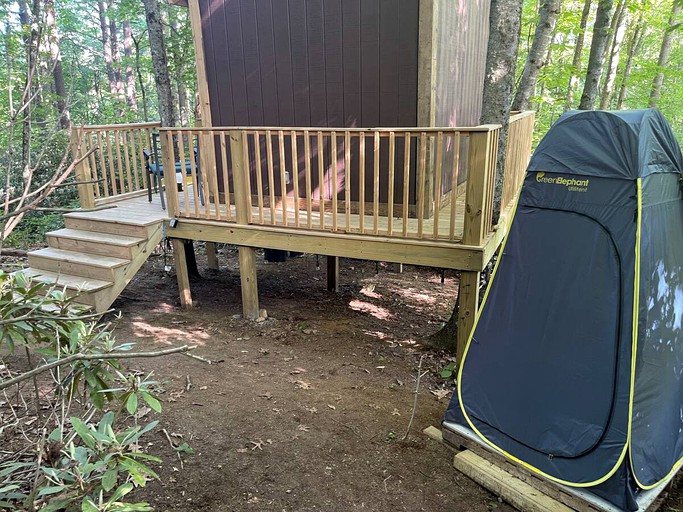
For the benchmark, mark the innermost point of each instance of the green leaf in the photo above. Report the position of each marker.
(132, 403)
(83, 431)
(121, 491)
(51, 490)
(151, 401)
(185, 448)
(109, 480)
(87, 505)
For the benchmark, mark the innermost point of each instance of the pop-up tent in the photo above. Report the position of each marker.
(574, 368)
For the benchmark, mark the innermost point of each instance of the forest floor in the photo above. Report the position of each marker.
(306, 410)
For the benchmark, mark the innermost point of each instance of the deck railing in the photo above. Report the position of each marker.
(115, 165)
(430, 184)
(341, 180)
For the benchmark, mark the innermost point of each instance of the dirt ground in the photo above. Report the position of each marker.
(306, 410)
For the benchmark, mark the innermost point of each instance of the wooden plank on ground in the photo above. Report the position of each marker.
(511, 489)
(433, 433)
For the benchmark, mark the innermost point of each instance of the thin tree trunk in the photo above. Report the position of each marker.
(634, 45)
(158, 50)
(106, 46)
(548, 13)
(130, 77)
(141, 82)
(578, 51)
(181, 91)
(664, 54)
(29, 21)
(618, 31)
(597, 55)
(56, 65)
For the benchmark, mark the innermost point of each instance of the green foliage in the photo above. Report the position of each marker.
(449, 371)
(93, 460)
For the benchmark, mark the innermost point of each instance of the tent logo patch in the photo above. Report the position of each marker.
(572, 184)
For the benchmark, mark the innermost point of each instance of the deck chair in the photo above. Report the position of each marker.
(155, 172)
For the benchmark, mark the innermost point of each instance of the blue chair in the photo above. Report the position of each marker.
(155, 172)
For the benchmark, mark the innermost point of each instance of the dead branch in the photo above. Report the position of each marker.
(71, 210)
(31, 318)
(92, 357)
(417, 389)
(14, 253)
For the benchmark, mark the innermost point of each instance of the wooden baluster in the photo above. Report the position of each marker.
(347, 179)
(119, 162)
(193, 176)
(321, 179)
(129, 168)
(110, 165)
(307, 170)
(211, 171)
(375, 187)
(271, 175)
(295, 176)
(361, 182)
(283, 178)
(93, 163)
(437, 184)
(406, 181)
(247, 174)
(134, 160)
(239, 169)
(226, 177)
(85, 196)
(422, 176)
(333, 155)
(390, 195)
(259, 177)
(203, 169)
(454, 180)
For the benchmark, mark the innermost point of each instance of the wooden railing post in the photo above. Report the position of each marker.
(83, 173)
(247, 255)
(478, 175)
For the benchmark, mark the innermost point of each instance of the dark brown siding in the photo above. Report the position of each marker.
(337, 63)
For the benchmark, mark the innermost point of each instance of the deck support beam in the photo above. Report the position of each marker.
(468, 306)
(333, 274)
(247, 258)
(211, 255)
(181, 272)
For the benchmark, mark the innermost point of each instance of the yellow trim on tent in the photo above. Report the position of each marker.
(636, 307)
(528, 466)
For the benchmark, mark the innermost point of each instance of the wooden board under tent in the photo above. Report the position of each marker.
(524, 490)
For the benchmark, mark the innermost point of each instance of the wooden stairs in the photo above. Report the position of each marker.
(96, 255)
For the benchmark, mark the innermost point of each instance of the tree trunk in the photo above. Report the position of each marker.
(597, 55)
(504, 26)
(29, 21)
(505, 22)
(56, 65)
(618, 31)
(116, 53)
(106, 46)
(158, 50)
(664, 53)
(130, 77)
(548, 13)
(578, 51)
(633, 47)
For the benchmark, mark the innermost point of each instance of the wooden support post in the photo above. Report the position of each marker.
(211, 255)
(475, 229)
(468, 306)
(333, 273)
(247, 257)
(181, 272)
(83, 173)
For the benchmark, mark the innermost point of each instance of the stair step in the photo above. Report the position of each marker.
(93, 242)
(75, 283)
(92, 266)
(114, 225)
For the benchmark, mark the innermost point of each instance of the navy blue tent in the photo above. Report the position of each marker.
(575, 364)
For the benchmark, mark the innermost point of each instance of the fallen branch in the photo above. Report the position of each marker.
(31, 318)
(90, 357)
(14, 253)
(70, 210)
(417, 389)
